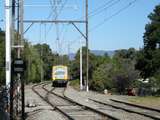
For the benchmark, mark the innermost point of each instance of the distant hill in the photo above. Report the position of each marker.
(72, 56)
(102, 52)
(95, 52)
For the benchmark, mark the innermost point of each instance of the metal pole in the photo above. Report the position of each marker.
(13, 21)
(12, 84)
(81, 87)
(18, 42)
(87, 88)
(8, 35)
(8, 42)
(12, 90)
(21, 12)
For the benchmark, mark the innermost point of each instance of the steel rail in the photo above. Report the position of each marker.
(126, 109)
(64, 97)
(52, 105)
(136, 105)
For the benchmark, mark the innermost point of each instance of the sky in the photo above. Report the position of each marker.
(115, 24)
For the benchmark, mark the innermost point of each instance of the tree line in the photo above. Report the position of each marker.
(39, 59)
(127, 68)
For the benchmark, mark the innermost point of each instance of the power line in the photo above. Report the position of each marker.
(99, 10)
(53, 8)
(62, 30)
(57, 14)
(65, 31)
(113, 15)
(103, 9)
(63, 5)
(108, 18)
(50, 15)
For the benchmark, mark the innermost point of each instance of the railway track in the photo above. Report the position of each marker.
(69, 108)
(136, 105)
(149, 113)
(113, 110)
(123, 114)
(142, 110)
(47, 101)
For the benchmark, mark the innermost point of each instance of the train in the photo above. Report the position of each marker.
(60, 76)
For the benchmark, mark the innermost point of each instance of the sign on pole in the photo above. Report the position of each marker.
(18, 66)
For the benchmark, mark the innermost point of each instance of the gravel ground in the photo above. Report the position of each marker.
(42, 111)
(83, 98)
(74, 111)
(104, 97)
(3, 115)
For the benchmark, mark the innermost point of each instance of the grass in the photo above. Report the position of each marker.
(75, 84)
(148, 101)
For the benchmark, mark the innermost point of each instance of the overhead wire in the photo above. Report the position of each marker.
(52, 8)
(55, 17)
(99, 10)
(113, 15)
(59, 42)
(51, 15)
(64, 33)
(62, 7)
(108, 18)
(102, 8)
(52, 11)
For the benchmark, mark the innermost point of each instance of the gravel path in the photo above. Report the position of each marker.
(42, 111)
(77, 112)
(83, 98)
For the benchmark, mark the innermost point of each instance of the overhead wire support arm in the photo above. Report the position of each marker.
(28, 28)
(79, 30)
(54, 21)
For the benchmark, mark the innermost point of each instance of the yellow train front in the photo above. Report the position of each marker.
(59, 76)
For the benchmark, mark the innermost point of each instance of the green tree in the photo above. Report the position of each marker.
(126, 54)
(115, 74)
(62, 59)
(75, 65)
(102, 77)
(125, 75)
(47, 58)
(152, 30)
(33, 63)
(148, 61)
